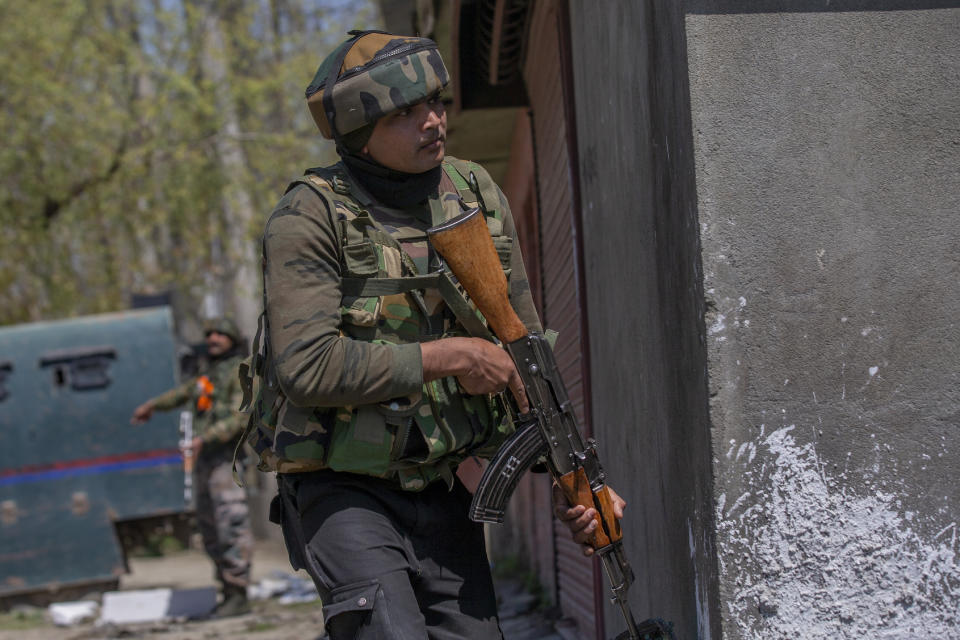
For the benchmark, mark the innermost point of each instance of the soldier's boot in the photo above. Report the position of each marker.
(234, 603)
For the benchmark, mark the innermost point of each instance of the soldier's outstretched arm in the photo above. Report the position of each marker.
(164, 402)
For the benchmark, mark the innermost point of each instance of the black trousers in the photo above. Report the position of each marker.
(389, 564)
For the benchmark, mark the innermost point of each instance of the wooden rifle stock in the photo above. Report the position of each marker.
(465, 244)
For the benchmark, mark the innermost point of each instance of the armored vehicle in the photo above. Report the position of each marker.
(72, 468)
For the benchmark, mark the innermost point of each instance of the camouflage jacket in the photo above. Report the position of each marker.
(349, 365)
(214, 396)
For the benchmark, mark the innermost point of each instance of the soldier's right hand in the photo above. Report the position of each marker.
(480, 366)
(142, 413)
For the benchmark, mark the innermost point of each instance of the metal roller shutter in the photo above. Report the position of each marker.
(545, 75)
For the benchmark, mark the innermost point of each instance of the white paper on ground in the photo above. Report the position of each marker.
(65, 614)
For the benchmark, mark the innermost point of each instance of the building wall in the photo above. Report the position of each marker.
(827, 144)
(643, 287)
(767, 192)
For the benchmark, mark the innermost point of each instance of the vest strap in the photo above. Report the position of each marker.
(485, 193)
(376, 287)
(252, 366)
(440, 280)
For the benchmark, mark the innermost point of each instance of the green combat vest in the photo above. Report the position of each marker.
(413, 440)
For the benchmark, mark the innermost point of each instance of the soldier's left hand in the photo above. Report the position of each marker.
(583, 521)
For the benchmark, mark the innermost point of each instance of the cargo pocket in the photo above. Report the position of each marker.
(361, 260)
(350, 607)
(361, 442)
(303, 435)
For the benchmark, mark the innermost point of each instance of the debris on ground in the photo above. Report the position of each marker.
(275, 596)
(156, 605)
(65, 614)
(286, 587)
(171, 605)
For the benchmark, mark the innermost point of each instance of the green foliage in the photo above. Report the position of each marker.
(259, 626)
(157, 545)
(515, 569)
(112, 173)
(22, 620)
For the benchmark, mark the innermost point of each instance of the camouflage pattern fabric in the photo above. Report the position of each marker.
(223, 325)
(223, 518)
(221, 505)
(365, 409)
(381, 73)
(221, 423)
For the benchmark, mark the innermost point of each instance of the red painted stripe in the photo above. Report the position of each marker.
(88, 462)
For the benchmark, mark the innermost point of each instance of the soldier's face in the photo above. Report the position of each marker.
(217, 343)
(412, 140)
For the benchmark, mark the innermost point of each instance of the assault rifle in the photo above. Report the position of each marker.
(549, 430)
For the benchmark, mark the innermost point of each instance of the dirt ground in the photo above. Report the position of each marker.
(520, 616)
(269, 620)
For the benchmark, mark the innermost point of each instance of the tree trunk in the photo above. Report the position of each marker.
(239, 291)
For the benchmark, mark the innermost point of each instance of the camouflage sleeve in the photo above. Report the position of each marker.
(175, 397)
(520, 296)
(229, 421)
(317, 366)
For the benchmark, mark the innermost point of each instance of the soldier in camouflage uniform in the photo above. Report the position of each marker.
(372, 381)
(221, 505)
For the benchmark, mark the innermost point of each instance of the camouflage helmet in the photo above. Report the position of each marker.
(223, 325)
(376, 73)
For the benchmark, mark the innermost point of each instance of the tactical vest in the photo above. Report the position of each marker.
(385, 299)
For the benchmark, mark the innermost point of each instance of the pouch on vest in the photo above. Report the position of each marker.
(372, 438)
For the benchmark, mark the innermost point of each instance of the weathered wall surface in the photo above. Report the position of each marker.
(827, 153)
(641, 267)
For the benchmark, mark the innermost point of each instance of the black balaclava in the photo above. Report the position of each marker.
(393, 188)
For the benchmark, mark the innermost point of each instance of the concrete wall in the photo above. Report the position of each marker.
(648, 368)
(827, 151)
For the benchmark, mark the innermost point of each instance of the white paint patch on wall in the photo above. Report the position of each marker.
(808, 559)
(718, 324)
